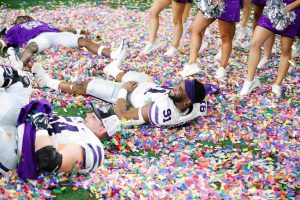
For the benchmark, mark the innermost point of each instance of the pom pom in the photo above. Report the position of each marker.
(274, 11)
(210, 10)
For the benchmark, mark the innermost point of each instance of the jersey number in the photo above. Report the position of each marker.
(202, 108)
(167, 115)
(58, 127)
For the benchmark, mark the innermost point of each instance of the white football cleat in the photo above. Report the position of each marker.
(113, 68)
(122, 52)
(40, 75)
(13, 58)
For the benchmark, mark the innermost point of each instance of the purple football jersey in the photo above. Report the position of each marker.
(21, 33)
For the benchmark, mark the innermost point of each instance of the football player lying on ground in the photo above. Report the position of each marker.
(161, 106)
(38, 36)
(45, 142)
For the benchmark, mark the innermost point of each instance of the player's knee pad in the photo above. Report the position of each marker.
(10, 76)
(139, 77)
(48, 159)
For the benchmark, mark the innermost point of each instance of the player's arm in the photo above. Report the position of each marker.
(121, 108)
(75, 31)
(50, 159)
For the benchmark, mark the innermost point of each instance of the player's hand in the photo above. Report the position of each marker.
(130, 86)
(85, 33)
(40, 121)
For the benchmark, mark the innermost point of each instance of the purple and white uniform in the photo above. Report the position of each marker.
(44, 35)
(163, 112)
(71, 130)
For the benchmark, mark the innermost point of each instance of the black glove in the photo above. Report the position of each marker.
(40, 121)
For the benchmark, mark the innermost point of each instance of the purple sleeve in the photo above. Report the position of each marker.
(10, 36)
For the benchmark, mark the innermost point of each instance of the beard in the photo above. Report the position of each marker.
(175, 99)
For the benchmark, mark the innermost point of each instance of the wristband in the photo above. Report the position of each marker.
(122, 94)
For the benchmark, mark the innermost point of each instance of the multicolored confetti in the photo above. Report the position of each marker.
(244, 149)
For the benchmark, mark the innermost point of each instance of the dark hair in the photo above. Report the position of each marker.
(21, 19)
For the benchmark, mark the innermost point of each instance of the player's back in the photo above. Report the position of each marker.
(22, 33)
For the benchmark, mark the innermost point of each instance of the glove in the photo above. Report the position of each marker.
(40, 121)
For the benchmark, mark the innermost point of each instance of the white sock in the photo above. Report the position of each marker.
(113, 54)
(114, 68)
(100, 50)
(114, 72)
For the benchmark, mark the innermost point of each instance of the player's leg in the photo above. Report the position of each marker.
(44, 80)
(113, 69)
(72, 40)
(28, 52)
(37, 44)
(17, 92)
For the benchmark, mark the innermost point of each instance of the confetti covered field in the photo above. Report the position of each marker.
(245, 148)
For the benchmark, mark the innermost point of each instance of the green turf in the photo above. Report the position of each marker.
(69, 193)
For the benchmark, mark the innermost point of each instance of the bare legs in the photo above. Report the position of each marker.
(180, 12)
(227, 30)
(156, 8)
(197, 32)
(260, 35)
(286, 55)
(177, 10)
(246, 13)
(186, 12)
(268, 44)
